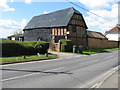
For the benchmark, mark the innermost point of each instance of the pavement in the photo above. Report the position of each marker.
(111, 81)
(70, 71)
(107, 80)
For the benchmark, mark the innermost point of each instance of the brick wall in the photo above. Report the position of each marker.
(94, 43)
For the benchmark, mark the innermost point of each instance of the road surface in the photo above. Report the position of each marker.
(70, 72)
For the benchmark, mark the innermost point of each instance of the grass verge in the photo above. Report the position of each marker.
(94, 51)
(28, 58)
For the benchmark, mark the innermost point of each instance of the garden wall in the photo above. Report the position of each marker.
(94, 43)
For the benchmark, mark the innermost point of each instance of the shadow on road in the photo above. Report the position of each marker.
(34, 71)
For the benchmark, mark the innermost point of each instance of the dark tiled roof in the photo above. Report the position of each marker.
(54, 19)
(116, 29)
(93, 34)
(17, 35)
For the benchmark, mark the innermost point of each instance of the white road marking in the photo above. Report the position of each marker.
(97, 85)
(30, 74)
(18, 77)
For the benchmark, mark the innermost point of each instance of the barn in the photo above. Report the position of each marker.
(62, 24)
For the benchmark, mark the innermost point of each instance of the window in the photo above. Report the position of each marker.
(74, 28)
(21, 39)
(39, 39)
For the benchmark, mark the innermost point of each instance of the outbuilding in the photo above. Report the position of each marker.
(114, 33)
(19, 37)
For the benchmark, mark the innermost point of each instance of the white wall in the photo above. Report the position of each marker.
(13, 38)
(113, 37)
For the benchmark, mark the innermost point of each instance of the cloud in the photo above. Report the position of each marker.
(104, 8)
(103, 25)
(28, 1)
(8, 26)
(11, 0)
(46, 12)
(95, 4)
(4, 6)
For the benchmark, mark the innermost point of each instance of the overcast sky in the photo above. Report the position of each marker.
(15, 14)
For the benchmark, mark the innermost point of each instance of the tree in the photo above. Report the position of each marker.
(18, 31)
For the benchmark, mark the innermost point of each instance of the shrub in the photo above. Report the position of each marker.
(53, 46)
(18, 48)
(63, 46)
(41, 47)
(66, 45)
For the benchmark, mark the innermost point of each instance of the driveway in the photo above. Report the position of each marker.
(65, 55)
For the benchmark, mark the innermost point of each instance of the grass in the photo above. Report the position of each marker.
(28, 58)
(94, 51)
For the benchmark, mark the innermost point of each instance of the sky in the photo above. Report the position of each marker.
(15, 14)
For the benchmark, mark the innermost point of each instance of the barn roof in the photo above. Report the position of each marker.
(16, 35)
(93, 34)
(116, 29)
(53, 19)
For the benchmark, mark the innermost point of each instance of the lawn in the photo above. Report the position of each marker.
(28, 58)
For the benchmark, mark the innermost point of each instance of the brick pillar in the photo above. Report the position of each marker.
(58, 46)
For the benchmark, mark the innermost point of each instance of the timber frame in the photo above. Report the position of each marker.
(63, 24)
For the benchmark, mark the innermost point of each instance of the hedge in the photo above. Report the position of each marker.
(66, 45)
(18, 48)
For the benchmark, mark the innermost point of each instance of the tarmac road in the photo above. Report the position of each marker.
(69, 72)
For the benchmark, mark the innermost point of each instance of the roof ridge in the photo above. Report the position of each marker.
(54, 11)
(95, 34)
(115, 29)
(53, 19)
(94, 31)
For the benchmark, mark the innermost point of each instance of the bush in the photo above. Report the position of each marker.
(41, 47)
(53, 46)
(66, 45)
(63, 46)
(18, 48)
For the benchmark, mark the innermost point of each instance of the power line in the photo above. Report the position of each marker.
(88, 10)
